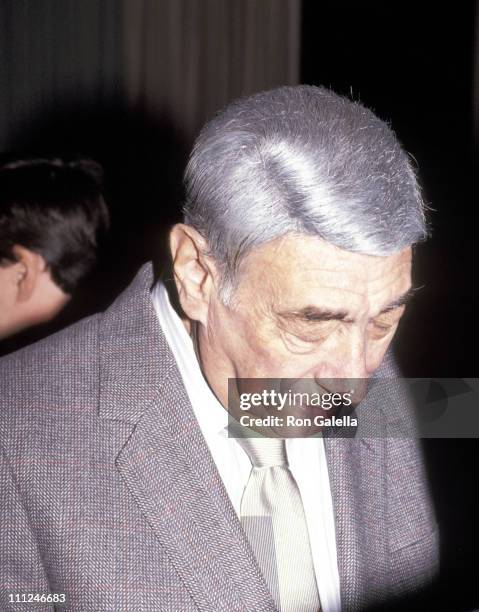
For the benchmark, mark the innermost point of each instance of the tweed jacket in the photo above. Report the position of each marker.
(109, 495)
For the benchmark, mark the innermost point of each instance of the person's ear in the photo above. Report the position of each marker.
(194, 271)
(27, 267)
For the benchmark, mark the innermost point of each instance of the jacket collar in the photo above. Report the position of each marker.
(165, 462)
(134, 356)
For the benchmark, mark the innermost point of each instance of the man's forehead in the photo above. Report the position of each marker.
(304, 272)
(301, 257)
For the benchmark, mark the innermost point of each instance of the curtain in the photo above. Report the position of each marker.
(188, 58)
(53, 52)
(180, 59)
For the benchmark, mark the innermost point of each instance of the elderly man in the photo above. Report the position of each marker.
(121, 489)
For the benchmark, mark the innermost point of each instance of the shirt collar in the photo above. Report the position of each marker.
(211, 415)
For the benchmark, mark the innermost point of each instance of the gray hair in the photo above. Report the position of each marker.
(300, 160)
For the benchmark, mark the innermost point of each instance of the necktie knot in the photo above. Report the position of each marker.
(265, 452)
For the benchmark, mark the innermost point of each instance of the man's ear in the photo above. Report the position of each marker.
(194, 271)
(27, 267)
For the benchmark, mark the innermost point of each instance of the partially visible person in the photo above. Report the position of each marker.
(51, 214)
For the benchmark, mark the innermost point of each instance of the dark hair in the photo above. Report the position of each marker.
(55, 208)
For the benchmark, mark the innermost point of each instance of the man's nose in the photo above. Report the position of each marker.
(351, 360)
(347, 369)
(355, 363)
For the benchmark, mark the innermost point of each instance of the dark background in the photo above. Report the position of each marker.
(413, 64)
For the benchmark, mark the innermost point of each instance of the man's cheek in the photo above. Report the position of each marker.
(265, 358)
(376, 354)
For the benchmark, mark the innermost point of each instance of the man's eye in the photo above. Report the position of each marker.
(305, 340)
(382, 329)
(298, 344)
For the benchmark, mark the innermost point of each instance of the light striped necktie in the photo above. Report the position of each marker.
(273, 518)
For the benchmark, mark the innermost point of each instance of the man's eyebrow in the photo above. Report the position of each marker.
(314, 313)
(403, 299)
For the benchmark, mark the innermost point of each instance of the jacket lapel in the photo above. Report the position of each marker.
(356, 472)
(166, 464)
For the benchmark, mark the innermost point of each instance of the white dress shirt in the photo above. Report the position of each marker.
(306, 457)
